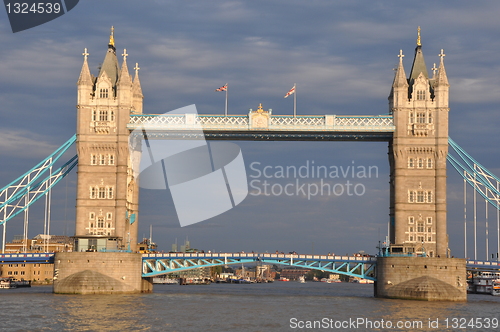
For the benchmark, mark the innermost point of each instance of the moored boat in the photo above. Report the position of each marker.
(495, 290)
(483, 283)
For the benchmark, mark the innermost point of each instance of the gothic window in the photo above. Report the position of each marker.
(420, 163)
(102, 159)
(91, 215)
(110, 192)
(412, 119)
(429, 197)
(93, 159)
(111, 159)
(420, 196)
(420, 239)
(411, 220)
(103, 93)
(112, 116)
(91, 225)
(420, 117)
(429, 229)
(429, 220)
(103, 115)
(100, 222)
(429, 120)
(411, 196)
(109, 216)
(420, 227)
(420, 95)
(92, 192)
(411, 163)
(429, 238)
(430, 163)
(102, 192)
(411, 238)
(411, 229)
(94, 115)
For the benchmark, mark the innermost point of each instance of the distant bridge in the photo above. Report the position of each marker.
(160, 264)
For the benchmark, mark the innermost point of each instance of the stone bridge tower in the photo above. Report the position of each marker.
(107, 193)
(417, 156)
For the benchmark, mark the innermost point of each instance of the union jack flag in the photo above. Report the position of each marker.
(222, 88)
(291, 92)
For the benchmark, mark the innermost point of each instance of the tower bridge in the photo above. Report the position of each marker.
(110, 108)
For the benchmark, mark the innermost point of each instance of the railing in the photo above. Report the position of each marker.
(379, 123)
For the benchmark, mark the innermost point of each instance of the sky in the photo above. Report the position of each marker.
(341, 55)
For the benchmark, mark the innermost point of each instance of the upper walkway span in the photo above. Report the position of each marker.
(266, 127)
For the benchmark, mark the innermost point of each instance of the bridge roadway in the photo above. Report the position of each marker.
(163, 263)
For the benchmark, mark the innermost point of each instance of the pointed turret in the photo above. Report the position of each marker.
(124, 78)
(85, 82)
(124, 84)
(399, 91)
(441, 85)
(85, 77)
(137, 92)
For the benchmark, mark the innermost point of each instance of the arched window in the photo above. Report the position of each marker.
(411, 163)
(420, 163)
(420, 196)
(102, 192)
(411, 196)
(429, 163)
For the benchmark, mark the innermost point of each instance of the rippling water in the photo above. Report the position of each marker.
(280, 306)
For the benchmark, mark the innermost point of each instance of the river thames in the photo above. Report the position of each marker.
(278, 306)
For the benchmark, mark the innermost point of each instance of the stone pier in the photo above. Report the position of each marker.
(421, 278)
(99, 273)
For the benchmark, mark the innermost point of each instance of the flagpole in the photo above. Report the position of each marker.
(227, 88)
(295, 100)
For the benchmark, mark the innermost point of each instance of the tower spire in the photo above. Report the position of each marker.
(419, 66)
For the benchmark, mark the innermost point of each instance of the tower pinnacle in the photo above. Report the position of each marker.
(419, 43)
(112, 37)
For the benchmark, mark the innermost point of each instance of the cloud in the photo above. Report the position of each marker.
(23, 144)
